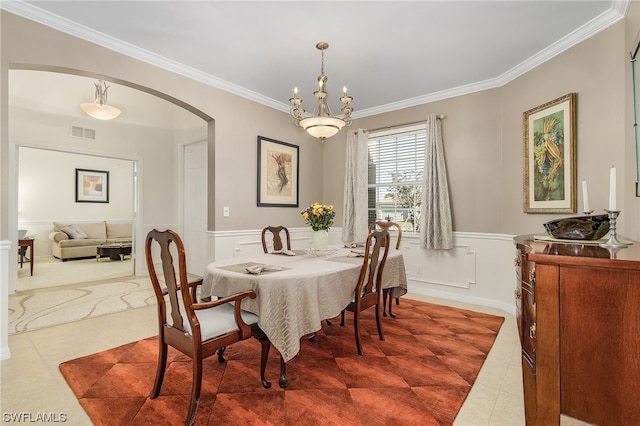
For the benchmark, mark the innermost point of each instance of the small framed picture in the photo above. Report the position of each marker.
(549, 157)
(278, 167)
(92, 186)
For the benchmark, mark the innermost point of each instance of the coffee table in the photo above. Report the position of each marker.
(113, 251)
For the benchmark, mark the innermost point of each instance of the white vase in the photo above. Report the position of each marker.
(320, 239)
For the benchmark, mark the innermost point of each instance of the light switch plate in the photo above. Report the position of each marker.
(225, 211)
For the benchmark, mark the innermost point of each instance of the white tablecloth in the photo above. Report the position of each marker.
(292, 303)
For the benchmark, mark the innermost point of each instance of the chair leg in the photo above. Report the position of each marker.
(221, 353)
(397, 300)
(379, 322)
(195, 390)
(391, 314)
(356, 327)
(162, 366)
(342, 318)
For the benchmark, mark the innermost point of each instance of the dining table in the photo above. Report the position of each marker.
(297, 290)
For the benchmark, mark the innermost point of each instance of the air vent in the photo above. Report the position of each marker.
(81, 132)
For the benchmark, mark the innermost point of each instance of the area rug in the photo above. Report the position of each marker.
(35, 309)
(420, 374)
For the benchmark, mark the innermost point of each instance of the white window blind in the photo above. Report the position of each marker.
(396, 166)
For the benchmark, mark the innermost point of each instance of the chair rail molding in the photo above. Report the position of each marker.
(478, 270)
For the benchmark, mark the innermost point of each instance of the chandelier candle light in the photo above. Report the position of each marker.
(322, 124)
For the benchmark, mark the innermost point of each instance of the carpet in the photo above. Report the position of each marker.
(34, 309)
(50, 272)
(420, 374)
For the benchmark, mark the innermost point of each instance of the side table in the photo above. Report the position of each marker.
(23, 245)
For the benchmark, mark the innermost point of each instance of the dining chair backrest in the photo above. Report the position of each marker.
(387, 224)
(277, 240)
(198, 330)
(368, 291)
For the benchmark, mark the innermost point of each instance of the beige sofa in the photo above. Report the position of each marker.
(74, 241)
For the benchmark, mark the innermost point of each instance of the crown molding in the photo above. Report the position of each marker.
(599, 23)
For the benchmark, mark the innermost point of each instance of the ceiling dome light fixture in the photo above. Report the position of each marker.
(99, 108)
(322, 124)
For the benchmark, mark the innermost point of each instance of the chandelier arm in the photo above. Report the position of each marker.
(322, 123)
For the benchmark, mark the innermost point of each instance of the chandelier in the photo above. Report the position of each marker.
(99, 108)
(322, 124)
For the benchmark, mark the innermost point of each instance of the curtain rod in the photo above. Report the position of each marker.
(438, 117)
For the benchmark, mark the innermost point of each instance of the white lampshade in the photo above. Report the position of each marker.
(101, 112)
(322, 127)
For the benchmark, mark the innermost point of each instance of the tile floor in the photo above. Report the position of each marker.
(31, 382)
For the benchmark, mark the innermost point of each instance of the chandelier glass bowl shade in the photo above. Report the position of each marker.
(99, 108)
(322, 123)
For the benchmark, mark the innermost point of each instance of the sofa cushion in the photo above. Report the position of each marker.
(96, 230)
(119, 230)
(57, 236)
(74, 232)
(82, 242)
(57, 226)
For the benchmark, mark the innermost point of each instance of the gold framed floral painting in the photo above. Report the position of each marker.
(549, 154)
(277, 173)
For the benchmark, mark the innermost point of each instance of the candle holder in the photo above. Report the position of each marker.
(613, 241)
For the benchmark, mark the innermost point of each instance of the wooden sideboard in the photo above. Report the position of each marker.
(578, 313)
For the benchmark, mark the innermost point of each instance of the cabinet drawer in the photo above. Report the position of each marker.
(525, 308)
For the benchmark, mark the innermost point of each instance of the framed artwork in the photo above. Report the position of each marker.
(278, 167)
(92, 186)
(549, 157)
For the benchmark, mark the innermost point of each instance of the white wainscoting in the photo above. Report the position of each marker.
(478, 270)
(5, 250)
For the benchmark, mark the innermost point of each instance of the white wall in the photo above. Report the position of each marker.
(46, 192)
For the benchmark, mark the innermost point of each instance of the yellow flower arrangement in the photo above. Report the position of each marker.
(319, 216)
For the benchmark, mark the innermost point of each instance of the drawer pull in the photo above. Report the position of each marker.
(517, 293)
(516, 261)
(532, 331)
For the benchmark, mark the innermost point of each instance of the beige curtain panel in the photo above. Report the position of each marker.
(354, 228)
(435, 218)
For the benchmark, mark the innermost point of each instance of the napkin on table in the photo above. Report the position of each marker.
(285, 252)
(258, 269)
(356, 253)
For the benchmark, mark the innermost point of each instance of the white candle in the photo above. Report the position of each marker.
(585, 197)
(612, 189)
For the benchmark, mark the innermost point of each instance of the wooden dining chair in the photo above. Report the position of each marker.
(198, 330)
(368, 292)
(277, 240)
(387, 224)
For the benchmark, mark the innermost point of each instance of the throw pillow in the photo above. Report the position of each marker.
(74, 232)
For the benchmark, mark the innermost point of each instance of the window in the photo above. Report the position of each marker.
(396, 166)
